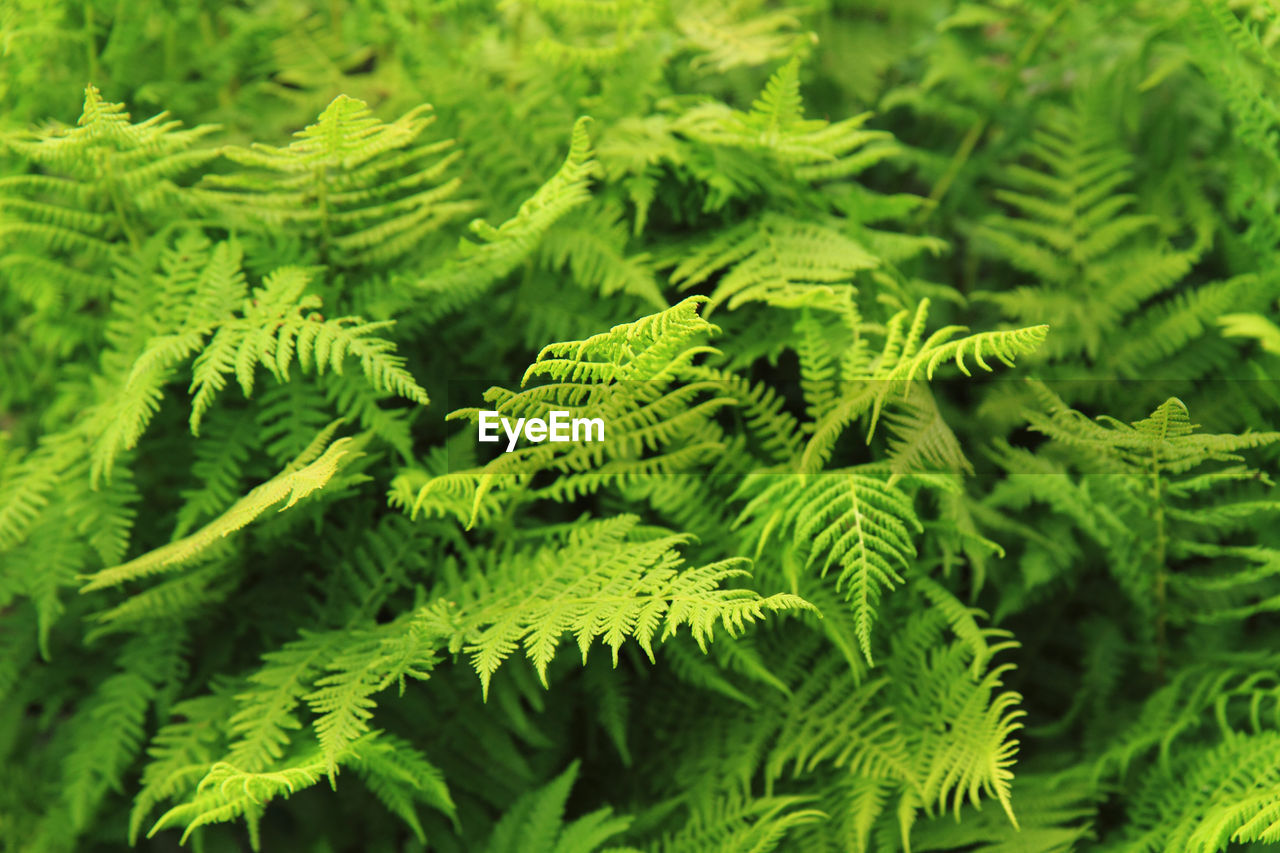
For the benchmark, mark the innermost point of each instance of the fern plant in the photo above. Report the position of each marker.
(367, 191)
(930, 346)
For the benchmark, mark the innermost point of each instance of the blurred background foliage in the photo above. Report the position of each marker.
(1106, 167)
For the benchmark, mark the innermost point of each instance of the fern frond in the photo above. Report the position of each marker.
(920, 438)
(1212, 797)
(773, 259)
(591, 245)
(737, 822)
(626, 377)
(227, 792)
(1097, 266)
(369, 191)
(856, 520)
(365, 663)
(536, 822)
(725, 41)
(477, 265)
(906, 357)
(1055, 815)
(810, 149)
(121, 703)
(1254, 326)
(104, 179)
(401, 778)
(838, 717)
(280, 322)
(265, 711)
(763, 410)
(291, 485)
(601, 584)
(30, 482)
(181, 753)
(970, 754)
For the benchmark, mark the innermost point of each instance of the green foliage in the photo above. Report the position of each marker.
(597, 585)
(933, 346)
(536, 822)
(359, 186)
(846, 518)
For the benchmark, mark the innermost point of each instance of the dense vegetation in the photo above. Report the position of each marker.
(934, 346)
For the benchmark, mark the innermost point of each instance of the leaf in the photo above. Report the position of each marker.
(291, 485)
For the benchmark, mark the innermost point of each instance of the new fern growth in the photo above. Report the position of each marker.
(927, 354)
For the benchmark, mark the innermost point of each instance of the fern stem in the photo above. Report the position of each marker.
(1161, 573)
(91, 45)
(134, 242)
(322, 199)
(979, 128)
